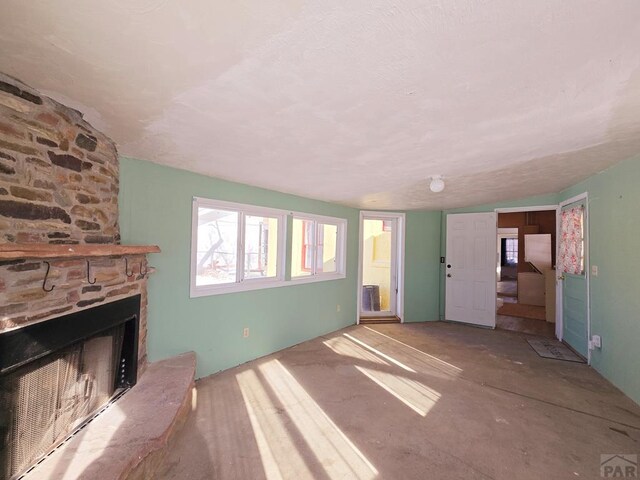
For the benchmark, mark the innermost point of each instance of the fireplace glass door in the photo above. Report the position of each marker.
(42, 402)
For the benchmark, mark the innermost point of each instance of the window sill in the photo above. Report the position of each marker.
(246, 286)
(317, 278)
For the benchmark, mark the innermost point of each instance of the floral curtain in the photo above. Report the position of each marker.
(571, 259)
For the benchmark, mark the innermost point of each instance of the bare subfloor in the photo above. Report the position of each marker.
(522, 325)
(413, 401)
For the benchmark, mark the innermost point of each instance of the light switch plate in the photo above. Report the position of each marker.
(594, 270)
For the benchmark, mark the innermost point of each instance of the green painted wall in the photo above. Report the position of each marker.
(614, 230)
(540, 200)
(422, 266)
(155, 208)
(614, 233)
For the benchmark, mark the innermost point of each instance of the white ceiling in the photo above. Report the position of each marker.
(356, 102)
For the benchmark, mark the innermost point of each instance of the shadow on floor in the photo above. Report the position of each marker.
(409, 401)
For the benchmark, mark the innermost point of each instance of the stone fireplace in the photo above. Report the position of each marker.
(56, 374)
(64, 276)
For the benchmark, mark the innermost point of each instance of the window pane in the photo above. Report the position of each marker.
(217, 246)
(327, 247)
(302, 248)
(511, 250)
(260, 247)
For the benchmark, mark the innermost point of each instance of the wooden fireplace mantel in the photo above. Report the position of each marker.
(15, 251)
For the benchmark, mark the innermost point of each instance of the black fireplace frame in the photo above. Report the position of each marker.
(24, 345)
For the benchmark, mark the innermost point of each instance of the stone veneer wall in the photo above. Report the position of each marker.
(58, 175)
(23, 300)
(58, 184)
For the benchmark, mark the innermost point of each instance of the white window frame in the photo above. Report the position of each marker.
(341, 248)
(241, 284)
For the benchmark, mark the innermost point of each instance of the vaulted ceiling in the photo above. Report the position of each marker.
(356, 102)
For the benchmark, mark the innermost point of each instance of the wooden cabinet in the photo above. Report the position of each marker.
(531, 288)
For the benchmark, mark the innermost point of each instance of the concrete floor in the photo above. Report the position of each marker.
(531, 326)
(413, 401)
(507, 288)
(526, 325)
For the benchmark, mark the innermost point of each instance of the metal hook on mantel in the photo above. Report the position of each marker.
(126, 268)
(44, 282)
(89, 274)
(146, 270)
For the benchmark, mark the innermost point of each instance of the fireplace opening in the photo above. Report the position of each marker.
(56, 374)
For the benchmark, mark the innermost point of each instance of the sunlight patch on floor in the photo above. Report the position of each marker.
(340, 458)
(422, 361)
(278, 452)
(378, 352)
(413, 394)
(347, 348)
(84, 457)
(194, 399)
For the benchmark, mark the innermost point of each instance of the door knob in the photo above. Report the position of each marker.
(449, 275)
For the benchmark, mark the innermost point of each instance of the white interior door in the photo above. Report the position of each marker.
(470, 268)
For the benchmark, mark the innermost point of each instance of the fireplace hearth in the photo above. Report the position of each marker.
(54, 375)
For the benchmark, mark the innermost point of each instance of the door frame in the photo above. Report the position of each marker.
(541, 208)
(400, 250)
(587, 269)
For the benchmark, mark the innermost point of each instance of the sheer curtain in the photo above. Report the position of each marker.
(571, 258)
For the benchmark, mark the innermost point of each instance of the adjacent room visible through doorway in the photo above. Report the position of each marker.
(525, 275)
(381, 267)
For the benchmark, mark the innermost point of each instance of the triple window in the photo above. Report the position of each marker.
(238, 247)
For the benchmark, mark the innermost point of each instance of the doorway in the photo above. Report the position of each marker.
(525, 288)
(474, 243)
(381, 267)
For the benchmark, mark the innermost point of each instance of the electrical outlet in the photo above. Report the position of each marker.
(245, 332)
(594, 270)
(338, 308)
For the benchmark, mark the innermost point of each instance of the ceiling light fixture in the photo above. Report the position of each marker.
(437, 184)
